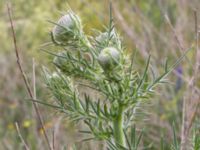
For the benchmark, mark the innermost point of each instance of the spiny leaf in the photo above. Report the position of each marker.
(144, 74)
(175, 141)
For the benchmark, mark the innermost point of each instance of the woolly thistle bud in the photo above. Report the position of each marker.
(108, 58)
(57, 82)
(111, 40)
(67, 27)
(52, 78)
(103, 37)
(61, 61)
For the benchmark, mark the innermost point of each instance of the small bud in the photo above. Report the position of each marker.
(61, 61)
(66, 28)
(102, 38)
(54, 75)
(112, 40)
(52, 78)
(109, 58)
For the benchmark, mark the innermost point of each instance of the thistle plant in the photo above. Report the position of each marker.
(101, 64)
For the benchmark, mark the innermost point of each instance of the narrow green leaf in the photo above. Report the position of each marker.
(144, 75)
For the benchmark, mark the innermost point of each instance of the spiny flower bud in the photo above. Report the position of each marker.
(103, 37)
(57, 82)
(109, 58)
(61, 61)
(51, 78)
(112, 40)
(68, 26)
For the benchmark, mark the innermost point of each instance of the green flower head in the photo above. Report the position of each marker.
(67, 28)
(109, 58)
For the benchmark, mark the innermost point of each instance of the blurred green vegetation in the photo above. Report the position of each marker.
(144, 30)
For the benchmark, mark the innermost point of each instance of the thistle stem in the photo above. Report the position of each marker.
(118, 128)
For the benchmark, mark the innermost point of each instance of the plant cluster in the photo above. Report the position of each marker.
(100, 63)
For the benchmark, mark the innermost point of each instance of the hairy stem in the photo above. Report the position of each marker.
(118, 128)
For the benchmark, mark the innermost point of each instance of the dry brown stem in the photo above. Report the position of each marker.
(192, 99)
(24, 76)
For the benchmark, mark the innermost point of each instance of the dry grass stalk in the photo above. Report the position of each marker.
(129, 31)
(192, 99)
(21, 138)
(24, 76)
